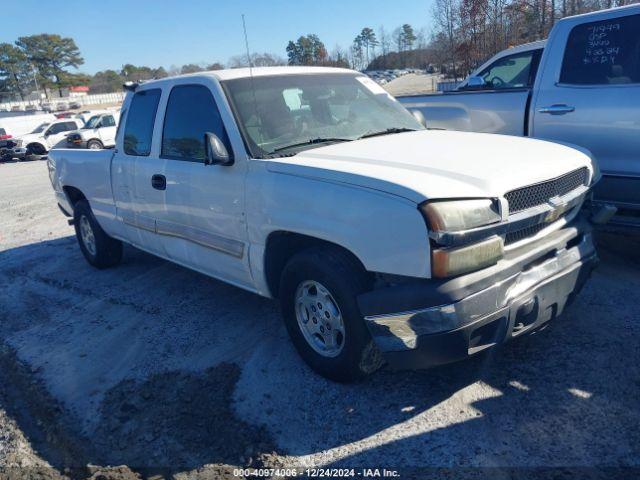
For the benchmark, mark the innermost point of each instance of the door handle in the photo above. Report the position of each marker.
(557, 109)
(159, 182)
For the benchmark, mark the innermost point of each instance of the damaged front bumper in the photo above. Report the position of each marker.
(433, 322)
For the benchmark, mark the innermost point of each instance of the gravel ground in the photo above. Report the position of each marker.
(412, 84)
(163, 370)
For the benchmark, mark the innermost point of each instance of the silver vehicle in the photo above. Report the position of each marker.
(581, 87)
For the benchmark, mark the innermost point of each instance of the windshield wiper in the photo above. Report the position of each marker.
(311, 141)
(388, 131)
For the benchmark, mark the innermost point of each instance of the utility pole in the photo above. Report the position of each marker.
(35, 80)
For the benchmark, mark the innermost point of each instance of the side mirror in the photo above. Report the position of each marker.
(215, 151)
(418, 115)
(476, 82)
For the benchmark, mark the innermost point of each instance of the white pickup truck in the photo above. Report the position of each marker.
(98, 132)
(314, 186)
(581, 87)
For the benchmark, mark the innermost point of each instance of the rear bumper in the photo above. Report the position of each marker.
(468, 314)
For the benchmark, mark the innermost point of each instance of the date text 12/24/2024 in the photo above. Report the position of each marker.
(316, 472)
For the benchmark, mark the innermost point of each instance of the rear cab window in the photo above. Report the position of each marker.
(603, 53)
(138, 131)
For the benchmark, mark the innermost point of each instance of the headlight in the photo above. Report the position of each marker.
(451, 216)
(448, 262)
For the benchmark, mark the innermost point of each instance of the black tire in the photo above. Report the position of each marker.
(344, 278)
(35, 149)
(107, 251)
(94, 144)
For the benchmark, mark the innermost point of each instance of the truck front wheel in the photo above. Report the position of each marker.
(318, 291)
(98, 248)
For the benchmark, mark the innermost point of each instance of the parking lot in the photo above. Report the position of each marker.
(152, 365)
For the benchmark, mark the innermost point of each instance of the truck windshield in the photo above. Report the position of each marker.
(285, 114)
(40, 128)
(92, 122)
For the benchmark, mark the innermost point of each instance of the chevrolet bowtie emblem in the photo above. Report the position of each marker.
(559, 206)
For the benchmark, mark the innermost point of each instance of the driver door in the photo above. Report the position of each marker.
(499, 106)
(57, 132)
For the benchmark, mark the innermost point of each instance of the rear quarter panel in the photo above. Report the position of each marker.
(90, 172)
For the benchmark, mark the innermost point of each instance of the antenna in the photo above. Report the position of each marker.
(253, 88)
(246, 43)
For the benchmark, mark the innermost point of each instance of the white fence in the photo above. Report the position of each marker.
(97, 99)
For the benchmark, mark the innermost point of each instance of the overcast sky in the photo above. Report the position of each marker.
(111, 33)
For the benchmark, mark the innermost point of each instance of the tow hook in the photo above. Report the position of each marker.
(601, 214)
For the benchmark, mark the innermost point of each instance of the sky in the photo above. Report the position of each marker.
(157, 33)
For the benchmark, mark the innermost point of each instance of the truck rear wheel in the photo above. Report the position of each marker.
(94, 144)
(98, 248)
(318, 292)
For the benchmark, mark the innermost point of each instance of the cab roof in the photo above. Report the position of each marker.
(235, 73)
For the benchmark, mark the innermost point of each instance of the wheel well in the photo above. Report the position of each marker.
(38, 144)
(74, 195)
(281, 246)
(95, 140)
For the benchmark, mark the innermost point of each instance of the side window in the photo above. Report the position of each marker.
(55, 128)
(191, 112)
(513, 71)
(69, 126)
(603, 53)
(108, 121)
(139, 129)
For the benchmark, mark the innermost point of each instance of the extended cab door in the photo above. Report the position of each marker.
(589, 95)
(203, 225)
(135, 171)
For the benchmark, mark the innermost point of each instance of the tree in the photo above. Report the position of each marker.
(307, 50)
(408, 36)
(132, 73)
(15, 71)
(51, 54)
(367, 41)
(190, 68)
(106, 81)
(257, 60)
(215, 66)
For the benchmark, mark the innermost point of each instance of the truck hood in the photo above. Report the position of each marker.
(432, 164)
(30, 137)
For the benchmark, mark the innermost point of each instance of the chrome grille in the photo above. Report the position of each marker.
(530, 231)
(539, 194)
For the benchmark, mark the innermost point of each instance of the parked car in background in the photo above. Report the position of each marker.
(62, 106)
(4, 138)
(75, 105)
(46, 106)
(314, 186)
(98, 132)
(581, 87)
(17, 125)
(42, 138)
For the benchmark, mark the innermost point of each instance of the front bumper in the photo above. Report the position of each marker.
(446, 321)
